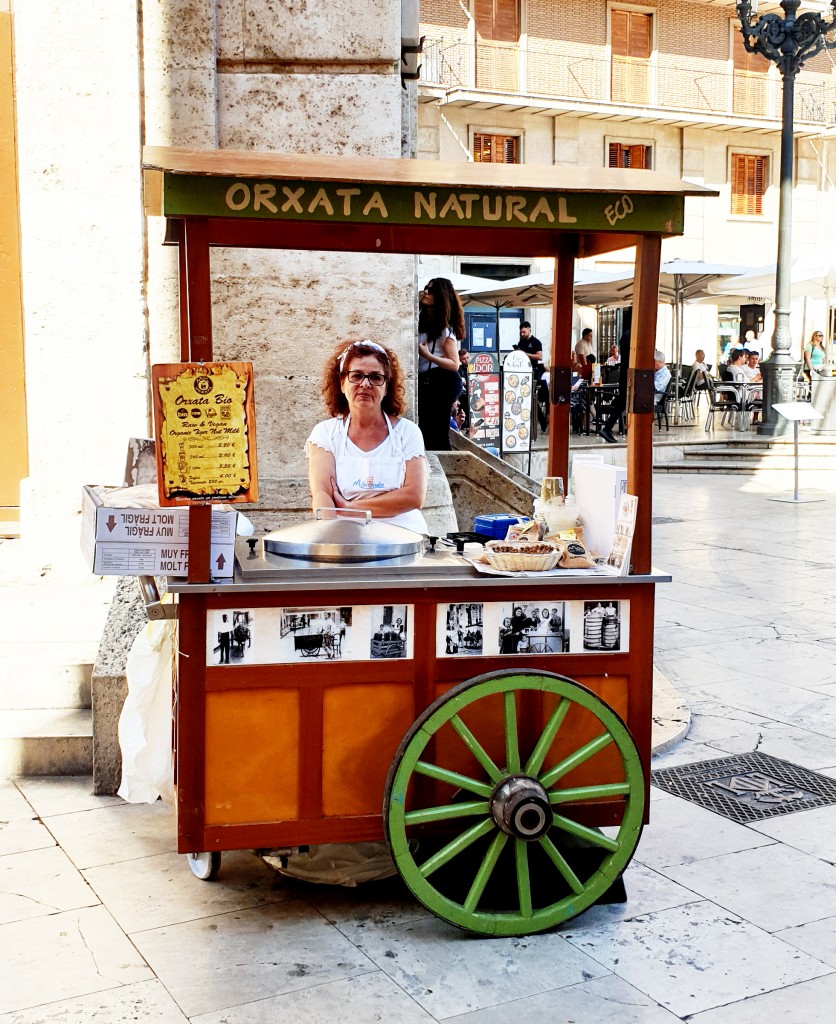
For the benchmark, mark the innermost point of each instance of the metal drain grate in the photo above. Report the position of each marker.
(747, 787)
(662, 520)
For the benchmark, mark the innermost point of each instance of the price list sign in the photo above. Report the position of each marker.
(205, 420)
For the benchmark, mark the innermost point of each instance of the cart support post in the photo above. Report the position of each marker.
(640, 424)
(195, 265)
(563, 298)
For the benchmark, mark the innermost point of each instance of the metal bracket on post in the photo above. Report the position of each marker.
(154, 607)
(640, 391)
(560, 385)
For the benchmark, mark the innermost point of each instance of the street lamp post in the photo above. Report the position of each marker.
(789, 42)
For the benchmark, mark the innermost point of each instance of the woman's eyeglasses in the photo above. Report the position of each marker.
(377, 380)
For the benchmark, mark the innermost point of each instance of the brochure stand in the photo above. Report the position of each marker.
(795, 412)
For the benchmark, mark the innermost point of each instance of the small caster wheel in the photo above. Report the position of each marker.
(205, 866)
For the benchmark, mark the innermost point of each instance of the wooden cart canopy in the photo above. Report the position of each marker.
(415, 194)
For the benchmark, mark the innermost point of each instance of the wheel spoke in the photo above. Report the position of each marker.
(456, 846)
(485, 871)
(538, 755)
(573, 760)
(476, 748)
(435, 771)
(582, 832)
(562, 866)
(563, 796)
(446, 812)
(512, 747)
(523, 881)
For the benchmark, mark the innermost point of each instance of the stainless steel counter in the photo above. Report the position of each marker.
(257, 570)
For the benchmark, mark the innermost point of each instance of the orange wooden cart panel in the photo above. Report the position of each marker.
(252, 756)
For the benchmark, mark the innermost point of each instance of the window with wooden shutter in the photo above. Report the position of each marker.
(496, 149)
(748, 184)
(498, 19)
(749, 76)
(622, 154)
(631, 42)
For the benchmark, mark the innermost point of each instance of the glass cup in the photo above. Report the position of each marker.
(551, 489)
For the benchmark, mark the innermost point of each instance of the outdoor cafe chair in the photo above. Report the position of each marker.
(728, 401)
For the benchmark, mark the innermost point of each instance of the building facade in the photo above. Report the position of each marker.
(665, 85)
(90, 292)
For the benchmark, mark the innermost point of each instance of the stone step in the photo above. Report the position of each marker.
(54, 742)
(757, 463)
(780, 473)
(42, 676)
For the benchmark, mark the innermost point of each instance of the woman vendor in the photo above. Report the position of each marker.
(367, 456)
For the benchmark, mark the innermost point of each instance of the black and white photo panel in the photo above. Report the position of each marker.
(289, 636)
(527, 628)
(231, 637)
(605, 628)
(460, 630)
(390, 630)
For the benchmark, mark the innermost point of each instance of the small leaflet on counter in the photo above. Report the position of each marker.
(625, 527)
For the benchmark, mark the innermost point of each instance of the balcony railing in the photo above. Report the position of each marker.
(662, 84)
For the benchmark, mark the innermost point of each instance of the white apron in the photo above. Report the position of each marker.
(376, 472)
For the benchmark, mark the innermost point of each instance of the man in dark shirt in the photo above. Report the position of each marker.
(532, 347)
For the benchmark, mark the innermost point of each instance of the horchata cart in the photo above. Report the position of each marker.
(495, 730)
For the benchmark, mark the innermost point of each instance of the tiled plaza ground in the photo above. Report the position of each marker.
(725, 923)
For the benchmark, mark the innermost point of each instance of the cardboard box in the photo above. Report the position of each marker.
(598, 492)
(149, 541)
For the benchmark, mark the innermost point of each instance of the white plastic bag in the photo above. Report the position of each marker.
(346, 864)
(145, 722)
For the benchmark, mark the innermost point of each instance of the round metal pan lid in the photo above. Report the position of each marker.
(343, 535)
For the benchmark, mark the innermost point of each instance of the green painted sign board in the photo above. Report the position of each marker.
(420, 206)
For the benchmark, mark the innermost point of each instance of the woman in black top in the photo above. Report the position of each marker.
(440, 331)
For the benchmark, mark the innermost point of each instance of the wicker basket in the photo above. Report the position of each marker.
(519, 559)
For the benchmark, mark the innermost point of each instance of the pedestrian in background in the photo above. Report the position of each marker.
(440, 331)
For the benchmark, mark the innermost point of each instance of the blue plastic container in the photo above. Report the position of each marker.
(496, 524)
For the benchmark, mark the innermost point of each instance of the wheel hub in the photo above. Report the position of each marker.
(520, 807)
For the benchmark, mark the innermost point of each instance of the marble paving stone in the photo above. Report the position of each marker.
(234, 958)
(792, 887)
(152, 892)
(23, 834)
(13, 804)
(818, 938)
(812, 831)
(112, 834)
(685, 752)
(798, 746)
(146, 1002)
(377, 903)
(607, 1000)
(449, 974)
(58, 794)
(681, 832)
(40, 882)
(367, 999)
(648, 891)
(697, 957)
(809, 1002)
(86, 953)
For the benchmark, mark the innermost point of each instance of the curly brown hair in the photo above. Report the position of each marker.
(351, 348)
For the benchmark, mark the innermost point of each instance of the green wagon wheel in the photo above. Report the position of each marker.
(512, 860)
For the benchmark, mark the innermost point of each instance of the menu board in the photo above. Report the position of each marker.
(517, 386)
(484, 396)
(205, 429)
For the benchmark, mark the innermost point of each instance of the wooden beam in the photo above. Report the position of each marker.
(557, 463)
(640, 425)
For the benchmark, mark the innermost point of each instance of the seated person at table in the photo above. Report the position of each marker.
(751, 370)
(367, 456)
(614, 358)
(661, 376)
(737, 360)
(587, 368)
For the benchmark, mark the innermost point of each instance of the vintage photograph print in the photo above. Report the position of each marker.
(389, 625)
(533, 628)
(311, 634)
(602, 626)
(231, 638)
(464, 629)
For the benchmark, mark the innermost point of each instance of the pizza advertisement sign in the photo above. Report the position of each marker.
(484, 397)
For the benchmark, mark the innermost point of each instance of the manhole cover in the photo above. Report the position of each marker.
(661, 520)
(747, 787)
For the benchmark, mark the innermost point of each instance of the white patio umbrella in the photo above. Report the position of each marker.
(461, 282)
(531, 289)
